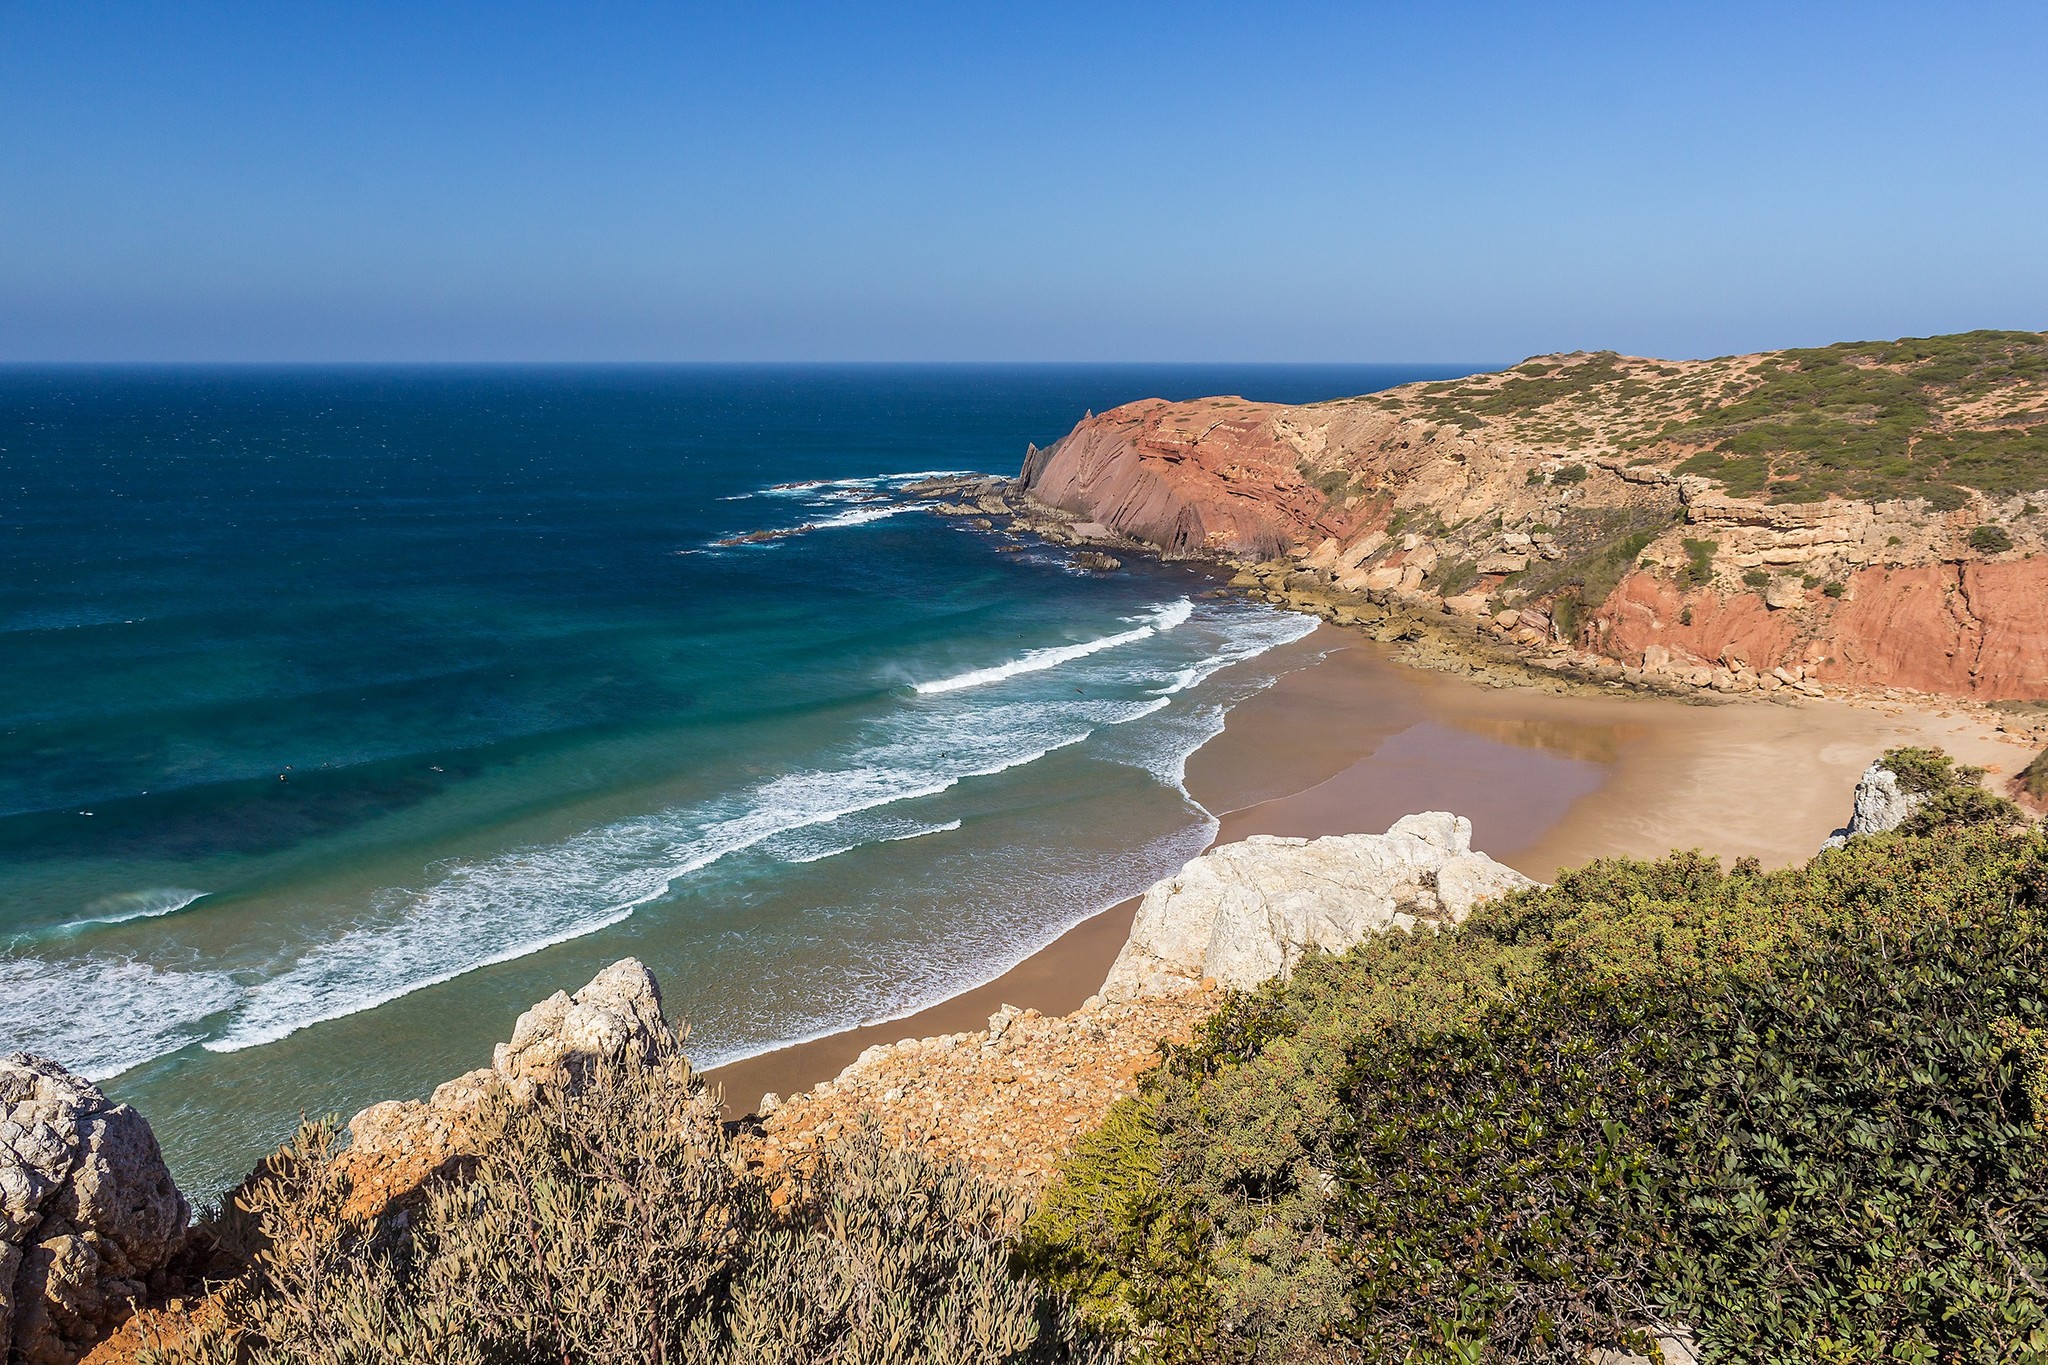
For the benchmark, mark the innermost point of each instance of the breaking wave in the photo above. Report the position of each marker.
(1160, 620)
(101, 1016)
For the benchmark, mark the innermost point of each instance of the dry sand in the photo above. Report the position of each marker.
(1349, 742)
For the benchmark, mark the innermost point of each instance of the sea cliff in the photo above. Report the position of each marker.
(1866, 515)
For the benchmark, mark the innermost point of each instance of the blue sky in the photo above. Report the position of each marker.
(970, 182)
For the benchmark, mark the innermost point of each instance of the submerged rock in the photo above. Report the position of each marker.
(1246, 912)
(88, 1212)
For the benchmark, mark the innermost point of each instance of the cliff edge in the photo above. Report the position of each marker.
(1873, 514)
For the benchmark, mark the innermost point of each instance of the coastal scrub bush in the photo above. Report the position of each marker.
(618, 1224)
(1454, 575)
(1796, 1111)
(2033, 778)
(1990, 540)
(1866, 420)
(1955, 792)
(1699, 563)
(1925, 772)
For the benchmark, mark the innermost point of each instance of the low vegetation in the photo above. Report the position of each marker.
(2033, 778)
(1803, 1114)
(1879, 420)
(1921, 417)
(1800, 1112)
(618, 1225)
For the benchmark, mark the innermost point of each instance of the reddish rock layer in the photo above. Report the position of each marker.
(1207, 477)
(1971, 630)
(1243, 481)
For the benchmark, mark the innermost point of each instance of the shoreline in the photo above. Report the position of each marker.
(1348, 740)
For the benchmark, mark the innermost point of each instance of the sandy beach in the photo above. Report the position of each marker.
(1348, 742)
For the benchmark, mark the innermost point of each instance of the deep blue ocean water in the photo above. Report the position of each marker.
(345, 712)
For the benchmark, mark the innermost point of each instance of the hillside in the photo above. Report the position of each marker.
(1867, 513)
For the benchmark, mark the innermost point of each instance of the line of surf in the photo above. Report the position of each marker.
(1163, 619)
(834, 852)
(374, 965)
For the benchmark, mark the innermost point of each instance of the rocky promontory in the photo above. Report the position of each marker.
(1872, 515)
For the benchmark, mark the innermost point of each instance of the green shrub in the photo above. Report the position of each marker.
(1792, 1110)
(1699, 563)
(1990, 540)
(1756, 578)
(1864, 419)
(1453, 576)
(617, 1224)
(1835, 590)
(2034, 777)
(1570, 474)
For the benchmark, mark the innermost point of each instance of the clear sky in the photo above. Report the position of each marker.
(1093, 181)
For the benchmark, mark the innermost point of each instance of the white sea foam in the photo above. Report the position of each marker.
(101, 1016)
(820, 855)
(861, 516)
(494, 910)
(473, 914)
(1161, 619)
(824, 494)
(816, 487)
(127, 905)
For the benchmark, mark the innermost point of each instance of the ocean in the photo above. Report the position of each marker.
(346, 712)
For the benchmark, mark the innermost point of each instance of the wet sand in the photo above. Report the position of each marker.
(1349, 742)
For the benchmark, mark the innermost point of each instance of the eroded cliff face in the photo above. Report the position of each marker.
(1579, 522)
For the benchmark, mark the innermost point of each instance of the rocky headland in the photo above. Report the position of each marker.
(1857, 518)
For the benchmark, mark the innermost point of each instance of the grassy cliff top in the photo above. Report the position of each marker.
(1920, 417)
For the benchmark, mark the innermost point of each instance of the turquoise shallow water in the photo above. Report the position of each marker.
(344, 713)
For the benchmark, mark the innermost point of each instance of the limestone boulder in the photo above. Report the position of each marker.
(619, 1010)
(88, 1212)
(1244, 913)
(1880, 805)
(396, 1145)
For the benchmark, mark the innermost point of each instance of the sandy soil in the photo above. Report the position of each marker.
(1349, 742)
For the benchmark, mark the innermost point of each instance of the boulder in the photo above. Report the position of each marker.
(88, 1212)
(563, 1035)
(396, 1145)
(1880, 805)
(1781, 593)
(1246, 912)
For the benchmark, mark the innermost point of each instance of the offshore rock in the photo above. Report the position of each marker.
(88, 1212)
(1881, 805)
(1246, 912)
(397, 1145)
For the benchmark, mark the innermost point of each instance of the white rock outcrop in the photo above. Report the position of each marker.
(88, 1212)
(556, 1041)
(1880, 806)
(1246, 912)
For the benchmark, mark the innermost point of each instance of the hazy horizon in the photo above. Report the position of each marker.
(630, 183)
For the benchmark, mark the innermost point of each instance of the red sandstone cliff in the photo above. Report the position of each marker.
(1573, 517)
